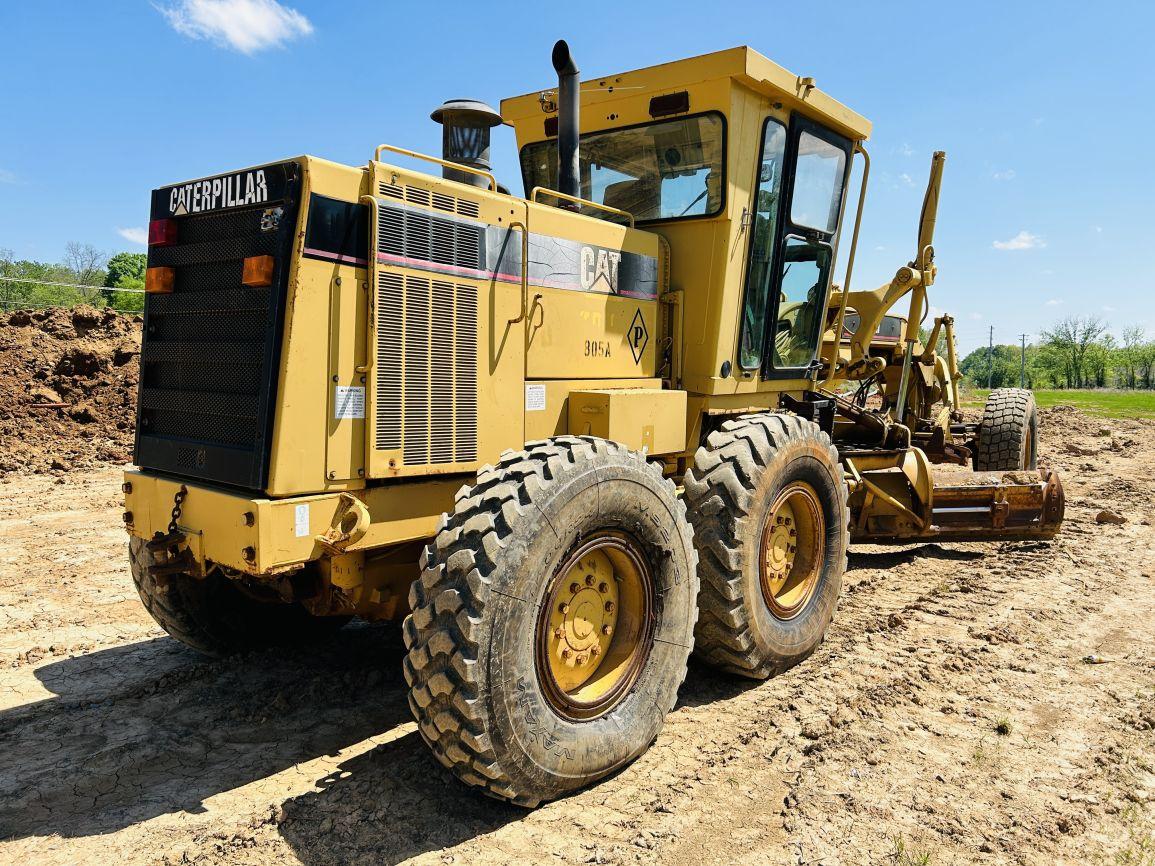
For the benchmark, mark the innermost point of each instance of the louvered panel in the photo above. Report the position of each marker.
(391, 190)
(468, 208)
(417, 195)
(441, 363)
(441, 201)
(465, 374)
(390, 321)
(391, 232)
(416, 376)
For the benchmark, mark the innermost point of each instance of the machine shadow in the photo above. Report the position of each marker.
(152, 728)
(387, 805)
(888, 558)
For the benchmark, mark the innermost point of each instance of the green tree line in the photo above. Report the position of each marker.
(1078, 352)
(90, 277)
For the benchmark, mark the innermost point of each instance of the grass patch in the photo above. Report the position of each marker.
(1003, 727)
(1100, 403)
(906, 854)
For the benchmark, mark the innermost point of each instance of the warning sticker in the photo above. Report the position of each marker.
(301, 520)
(349, 402)
(534, 398)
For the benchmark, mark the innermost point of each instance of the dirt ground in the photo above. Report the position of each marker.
(949, 717)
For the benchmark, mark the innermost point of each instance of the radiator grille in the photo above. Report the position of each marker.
(210, 348)
(426, 376)
(390, 301)
(427, 237)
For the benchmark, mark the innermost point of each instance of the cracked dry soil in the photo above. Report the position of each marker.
(948, 718)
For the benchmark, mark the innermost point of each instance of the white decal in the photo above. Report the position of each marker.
(234, 190)
(534, 398)
(599, 265)
(301, 520)
(349, 402)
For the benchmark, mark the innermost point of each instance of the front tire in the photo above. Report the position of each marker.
(553, 619)
(1008, 434)
(767, 501)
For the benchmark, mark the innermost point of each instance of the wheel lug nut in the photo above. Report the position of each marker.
(793, 532)
(606, 630)
(595, 650)
(603, 587)
(563, 607)
(581, 659)
(609, 607)
(589, 580)
(559, 632)
(574, 587)
(565, 654)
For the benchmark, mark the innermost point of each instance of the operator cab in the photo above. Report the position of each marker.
(742, 167)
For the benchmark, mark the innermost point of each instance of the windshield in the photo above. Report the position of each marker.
(659, 171)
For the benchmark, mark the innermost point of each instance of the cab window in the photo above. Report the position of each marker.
(669, 170)
(764, 232)
(818, 177)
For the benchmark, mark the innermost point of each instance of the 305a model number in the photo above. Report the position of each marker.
(597, 349)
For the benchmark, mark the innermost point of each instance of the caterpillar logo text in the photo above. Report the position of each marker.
(234, 190)
(598, 265)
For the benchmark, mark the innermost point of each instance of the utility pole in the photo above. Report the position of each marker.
(1023, 364)
(990, 359)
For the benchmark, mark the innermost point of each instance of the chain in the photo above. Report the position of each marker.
(178, 501)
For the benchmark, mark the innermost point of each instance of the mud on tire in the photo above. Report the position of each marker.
(213, 616)
(475, 676)
(738, 474)
(1008, 433)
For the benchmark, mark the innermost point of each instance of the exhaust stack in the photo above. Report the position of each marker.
(569, 108)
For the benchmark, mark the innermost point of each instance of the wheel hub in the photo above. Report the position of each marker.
(793, 544)
(582, 619)
(594, 631)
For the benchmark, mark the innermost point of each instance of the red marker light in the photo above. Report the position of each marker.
(162, 233)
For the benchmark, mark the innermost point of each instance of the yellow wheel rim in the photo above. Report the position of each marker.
(595, 627)
(792, 550)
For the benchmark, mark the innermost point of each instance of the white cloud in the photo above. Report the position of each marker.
(880, 248)
(137, 236)
(1022, 241)
(7, 176)
(1097, 229)
(246, 26)
(1055, 302)
(906, 178)
(1009, 174)
(906, 149)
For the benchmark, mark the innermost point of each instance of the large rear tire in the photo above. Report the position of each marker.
(1008, 434)
(767, 501)
(553, 619)
(215, 617)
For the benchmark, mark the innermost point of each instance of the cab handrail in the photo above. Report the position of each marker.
(442, 162)
(576, 200)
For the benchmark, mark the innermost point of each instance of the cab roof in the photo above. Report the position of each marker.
(743, 65)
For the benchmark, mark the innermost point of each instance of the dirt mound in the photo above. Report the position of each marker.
(67, 388)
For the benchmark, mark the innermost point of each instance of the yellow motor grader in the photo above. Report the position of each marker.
(567, 437)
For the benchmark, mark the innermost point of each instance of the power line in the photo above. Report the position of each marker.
(4, 279)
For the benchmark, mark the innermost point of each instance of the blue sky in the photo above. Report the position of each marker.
(1043, 108)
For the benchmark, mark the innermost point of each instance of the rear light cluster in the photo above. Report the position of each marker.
(257, 273)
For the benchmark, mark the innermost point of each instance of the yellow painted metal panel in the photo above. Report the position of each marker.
(647, 419)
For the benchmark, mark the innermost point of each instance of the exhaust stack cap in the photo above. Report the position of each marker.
(465, 137)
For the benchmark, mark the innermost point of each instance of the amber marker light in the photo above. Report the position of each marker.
(159, 281)
(258, 272)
